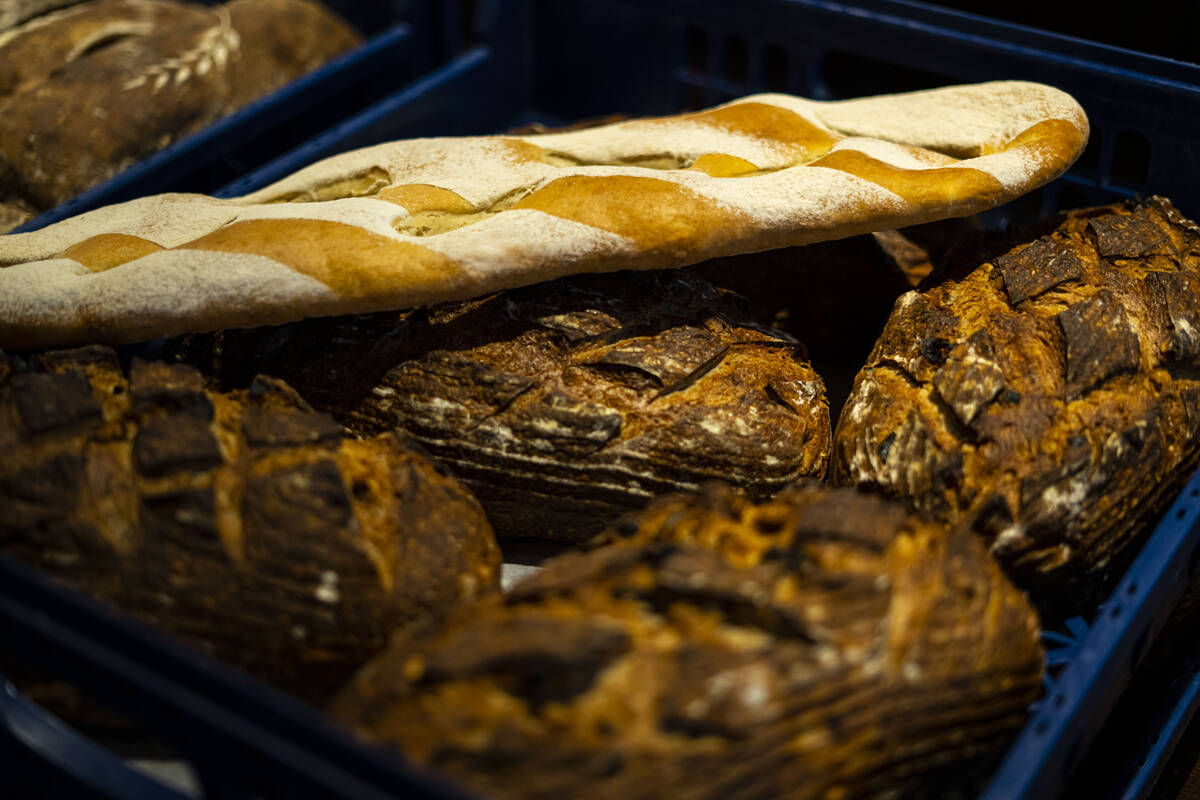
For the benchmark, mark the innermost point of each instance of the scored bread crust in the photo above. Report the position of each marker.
(822, 645)
(427, 220)
(87, 91)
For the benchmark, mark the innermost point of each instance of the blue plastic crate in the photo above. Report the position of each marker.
(403, 38)
(553, 62)
(1155, 742)
(557, 62)
(1146, 749)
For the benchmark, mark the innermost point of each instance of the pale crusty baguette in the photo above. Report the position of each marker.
(427, 220)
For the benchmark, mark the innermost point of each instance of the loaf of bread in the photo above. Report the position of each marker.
(1049, 394)
(832, 296)
(245, 524)
(564, 404)
(15, 11)
(90, 90)
(428, 220)
(822, 645)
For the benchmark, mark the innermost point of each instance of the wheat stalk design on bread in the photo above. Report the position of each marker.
(426, 220)
(214, 48)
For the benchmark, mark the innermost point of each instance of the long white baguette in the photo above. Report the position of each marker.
(426, 220)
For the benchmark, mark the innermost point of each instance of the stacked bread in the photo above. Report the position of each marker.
(470, 302)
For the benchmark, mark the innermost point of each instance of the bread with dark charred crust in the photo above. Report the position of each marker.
(245, 523)
(564, 404)
(88, 91)
(1050, 394)
(823, 644)
(833, 296)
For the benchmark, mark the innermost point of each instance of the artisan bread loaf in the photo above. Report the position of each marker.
(1048, 392)
(245, 524)
(90, 90)
(835, 296)
(824, 644)
(428, 220)
(832, 296)
(564, 404)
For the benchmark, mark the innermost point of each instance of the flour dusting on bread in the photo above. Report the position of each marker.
(452, 218)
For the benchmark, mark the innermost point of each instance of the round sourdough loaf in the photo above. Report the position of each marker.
(824, 644)
(88, 91)
(245, 524)
(1050, 394)
(427, 220)
(833, 296)
(564, 404)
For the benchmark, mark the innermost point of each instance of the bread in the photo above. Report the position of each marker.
(427, 220)
(821, 645)
(15, 11)
(564, 404)
(88, 91)
(835, 296)
(245, 524)
(1049, 394)
(832, 296)
(15, 213)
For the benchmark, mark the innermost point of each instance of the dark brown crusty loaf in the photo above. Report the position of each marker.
(89, 90)
(824, 644)
(1050, 393)
(564, 404)
(833, 296)
(243, 523)
(836, 296)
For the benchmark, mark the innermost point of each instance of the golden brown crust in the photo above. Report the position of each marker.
(422, 197)
(1048, 393)
(656, 215)
(936, 186)
(351, 261)
(244, 523)
(109, 250)
(711, 648)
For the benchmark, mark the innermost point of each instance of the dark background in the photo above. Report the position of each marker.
(1170, 29)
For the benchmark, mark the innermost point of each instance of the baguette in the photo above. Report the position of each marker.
(420, 221)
